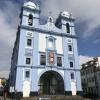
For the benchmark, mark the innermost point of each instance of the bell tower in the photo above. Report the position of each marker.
(27, 47)
(65, 22)
(30, 14)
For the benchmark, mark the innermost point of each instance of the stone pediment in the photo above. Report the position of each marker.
(50, 26)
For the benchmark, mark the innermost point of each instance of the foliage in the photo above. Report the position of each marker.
(3, 83)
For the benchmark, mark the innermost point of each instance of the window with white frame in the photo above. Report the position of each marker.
(70, 48)
(42, 59)
(72, 75)
(71, 64)
(28, 60)
(30, 19)
(29, 42)
(27, 73)
(59, 61)
(67, 28)
(51, 56)
(51, 42)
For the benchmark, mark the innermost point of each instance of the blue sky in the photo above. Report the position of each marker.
(87, 24)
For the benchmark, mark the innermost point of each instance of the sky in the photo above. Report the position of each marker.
(87, 24)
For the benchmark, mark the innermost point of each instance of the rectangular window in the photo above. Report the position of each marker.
(27, 74)
(42, 59)
(51, 57)
(69, 47)
(72, 75)
(30, 19)
(71, 64)
(29, 42)
(28, 60)
(67, 28)
(59, 61)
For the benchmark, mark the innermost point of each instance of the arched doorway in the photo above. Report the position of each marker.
(51, 82)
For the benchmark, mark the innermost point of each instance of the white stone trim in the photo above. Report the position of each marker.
(29, 33)
(31, 61)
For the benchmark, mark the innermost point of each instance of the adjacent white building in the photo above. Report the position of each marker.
(90, 75)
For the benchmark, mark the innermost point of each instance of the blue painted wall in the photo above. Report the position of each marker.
(49, 29)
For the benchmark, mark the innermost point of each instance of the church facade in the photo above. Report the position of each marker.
(45, 57)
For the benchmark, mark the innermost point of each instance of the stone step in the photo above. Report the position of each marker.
(55, 97)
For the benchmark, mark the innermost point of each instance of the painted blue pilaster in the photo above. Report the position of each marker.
(34, 84)
(36, 49)
(76, 59)
(21, 52)
(78, 81)
(24, 18)
(19, 79)
(65, 52)
(34, 77)
(67, 82)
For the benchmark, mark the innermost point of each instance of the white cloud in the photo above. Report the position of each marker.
(96, 41)
(9, 19)
(84, 59)
(4, 74)
(83, 10)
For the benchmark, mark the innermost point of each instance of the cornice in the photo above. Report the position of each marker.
(48, 32)
(43, 67)
(27, 8)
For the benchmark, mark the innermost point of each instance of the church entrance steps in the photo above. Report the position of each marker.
(55, 97)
